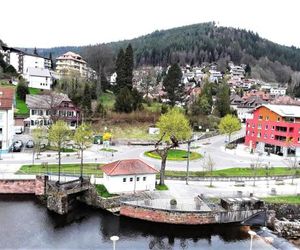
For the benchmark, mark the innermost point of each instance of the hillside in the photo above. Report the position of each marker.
(206, 42)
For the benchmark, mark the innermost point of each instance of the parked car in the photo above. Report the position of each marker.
(17, 146)
(30, 144)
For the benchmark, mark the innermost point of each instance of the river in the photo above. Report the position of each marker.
(26, 224)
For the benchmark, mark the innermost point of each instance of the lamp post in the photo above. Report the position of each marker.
(252, 234)
(114, 239)
(188, 162)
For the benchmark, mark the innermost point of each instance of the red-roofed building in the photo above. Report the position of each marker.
(7, 99)
(130, 175)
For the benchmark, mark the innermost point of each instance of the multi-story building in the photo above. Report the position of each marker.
(7, 100)
(21, 60)
(71, 62)
(45, 109)
(38, 78)
(274, 129)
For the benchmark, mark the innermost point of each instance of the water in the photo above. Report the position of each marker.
(26, 224)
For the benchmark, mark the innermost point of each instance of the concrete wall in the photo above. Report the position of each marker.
(22, 186)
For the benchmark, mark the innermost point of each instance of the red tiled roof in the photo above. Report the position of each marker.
(128, 167)
(6, 97)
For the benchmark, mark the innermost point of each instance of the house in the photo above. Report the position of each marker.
(215, 76)
(285, 100)
(278, 91)
(7, 100)
(71, 62)
(38, 78)
(244, 109)
(21, 60)
(275, 129)
(44, 109)
(129, 176)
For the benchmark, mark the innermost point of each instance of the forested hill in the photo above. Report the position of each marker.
(206, 42)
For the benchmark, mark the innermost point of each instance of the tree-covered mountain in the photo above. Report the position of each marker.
(206, 42)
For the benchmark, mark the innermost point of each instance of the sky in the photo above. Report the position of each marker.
(49, 23)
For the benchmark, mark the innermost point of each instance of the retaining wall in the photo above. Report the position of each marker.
(20, 186)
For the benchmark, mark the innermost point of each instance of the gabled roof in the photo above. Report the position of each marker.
(38, 72)
(283, 110)
(128, 167)
(6, 98)
(46, 101)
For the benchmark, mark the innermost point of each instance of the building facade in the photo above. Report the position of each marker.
(71, 62)
(274, 129)
(7, 100)
(45, 109)
(128, 176)
(38, 78)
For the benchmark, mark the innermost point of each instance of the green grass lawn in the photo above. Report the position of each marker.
(161, 187)
(102, 191)
(278, 171)
(21, 107)
(285, 199)
(175, 155)
(88, 169)
(108, 100)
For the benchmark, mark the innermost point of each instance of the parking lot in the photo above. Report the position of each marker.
(24, 138)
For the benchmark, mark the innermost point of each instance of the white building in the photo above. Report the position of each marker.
(21, 60)
(126, 176)
(278, 91)
(214, 75)
(71, 62)
(38, 78)
(6, 117)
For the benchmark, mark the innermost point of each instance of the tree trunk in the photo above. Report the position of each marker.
(59, 160)
(163, 168)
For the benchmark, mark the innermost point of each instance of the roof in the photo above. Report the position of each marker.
(285, 100)
(45, 101)
(71, 56)
(128, 167)
(6, 97)
(283, 110)
(5, 48)
(38, 72)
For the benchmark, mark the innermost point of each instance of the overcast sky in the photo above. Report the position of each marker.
(48, 23)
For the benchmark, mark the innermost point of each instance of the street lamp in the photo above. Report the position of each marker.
(252, 234)
(114, 239)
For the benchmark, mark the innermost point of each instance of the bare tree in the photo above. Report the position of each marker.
(292, 163)
(209, 165)
(256, 164)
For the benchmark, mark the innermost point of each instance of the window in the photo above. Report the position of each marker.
(260, 117)
(131, 179)
(272, 136)
(124, 179)
(253, 125)
(137, 178)
(278, 118)
(298, 139)
(267, 126)
(0, 131)
(259, 126)
(66, 104)
(265, 136)
(144, 178)
(267, 118)
(273, 127)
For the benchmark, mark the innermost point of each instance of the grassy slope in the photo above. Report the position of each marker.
(21, 108)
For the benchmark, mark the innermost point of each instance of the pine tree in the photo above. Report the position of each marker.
(173, 86)
(223, 99)
(86, 99)
(51, 60)
(35, 51)
(120, 70)
(128, 66)
(124, 101)
(22, 90)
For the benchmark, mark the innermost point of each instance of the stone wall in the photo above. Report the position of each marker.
(289, 211)
(34, 186)
(164, 216)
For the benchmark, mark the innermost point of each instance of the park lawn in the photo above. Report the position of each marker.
(111, 150)
(88, 169)
(175, 155)
(161, 187)
(229, 172)
(284, 199)
(108, 100)
(137, 131)
(102, 191)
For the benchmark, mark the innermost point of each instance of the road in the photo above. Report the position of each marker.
(213, 146)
